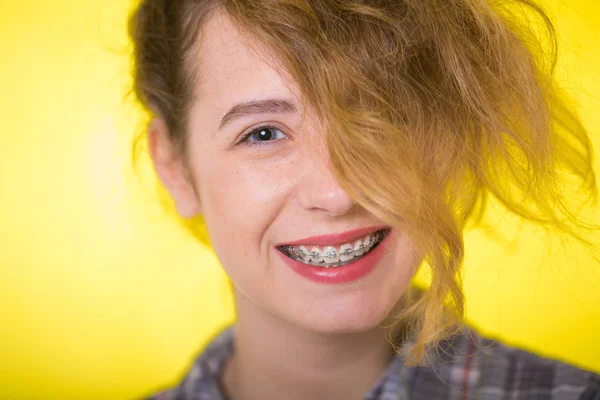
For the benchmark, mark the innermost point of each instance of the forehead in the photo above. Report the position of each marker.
(233, 67)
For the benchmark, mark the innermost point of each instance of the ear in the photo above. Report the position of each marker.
(170, 169)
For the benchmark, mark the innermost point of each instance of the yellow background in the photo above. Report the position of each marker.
(103, 296)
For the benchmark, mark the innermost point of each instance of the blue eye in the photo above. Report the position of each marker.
(263, 136)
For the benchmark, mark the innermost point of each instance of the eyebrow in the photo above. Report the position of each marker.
(268, 106)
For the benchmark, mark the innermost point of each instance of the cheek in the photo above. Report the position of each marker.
(240, 200)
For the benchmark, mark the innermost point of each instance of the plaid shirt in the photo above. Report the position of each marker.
(470, 367)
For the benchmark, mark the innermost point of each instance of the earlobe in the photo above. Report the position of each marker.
(170, 169)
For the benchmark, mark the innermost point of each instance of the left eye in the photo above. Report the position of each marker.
(263, 135)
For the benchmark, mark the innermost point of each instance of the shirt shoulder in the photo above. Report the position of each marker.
(201, 379)
(490, 369)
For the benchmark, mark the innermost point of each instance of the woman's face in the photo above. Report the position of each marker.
(276, 188)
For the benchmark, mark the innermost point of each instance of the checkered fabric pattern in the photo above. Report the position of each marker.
(470, 367)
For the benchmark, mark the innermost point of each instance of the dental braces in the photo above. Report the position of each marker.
(333, 254)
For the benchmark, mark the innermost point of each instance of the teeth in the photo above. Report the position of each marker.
(359, 248)
(346, 255)
(315, 255)
(368, 243)
(330, 255)
(304, 253)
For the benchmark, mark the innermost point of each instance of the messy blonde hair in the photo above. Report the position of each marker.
(429, 107)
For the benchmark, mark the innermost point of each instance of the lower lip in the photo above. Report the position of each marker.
(344, 274)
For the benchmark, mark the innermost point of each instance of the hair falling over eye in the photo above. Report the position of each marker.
(430, 108)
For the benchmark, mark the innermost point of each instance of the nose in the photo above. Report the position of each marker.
(319, 190)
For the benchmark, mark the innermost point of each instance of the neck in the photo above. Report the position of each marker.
(274, 359)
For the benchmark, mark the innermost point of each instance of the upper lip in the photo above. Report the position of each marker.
(335, 239)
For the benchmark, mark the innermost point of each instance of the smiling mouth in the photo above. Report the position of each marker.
(335, 256)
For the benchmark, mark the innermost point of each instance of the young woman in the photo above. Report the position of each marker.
(332, 146)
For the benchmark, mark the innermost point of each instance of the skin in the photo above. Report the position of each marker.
(294, 338)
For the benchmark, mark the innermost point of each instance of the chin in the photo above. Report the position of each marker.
(345, 318)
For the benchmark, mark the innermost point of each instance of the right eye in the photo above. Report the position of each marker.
(264, 135)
